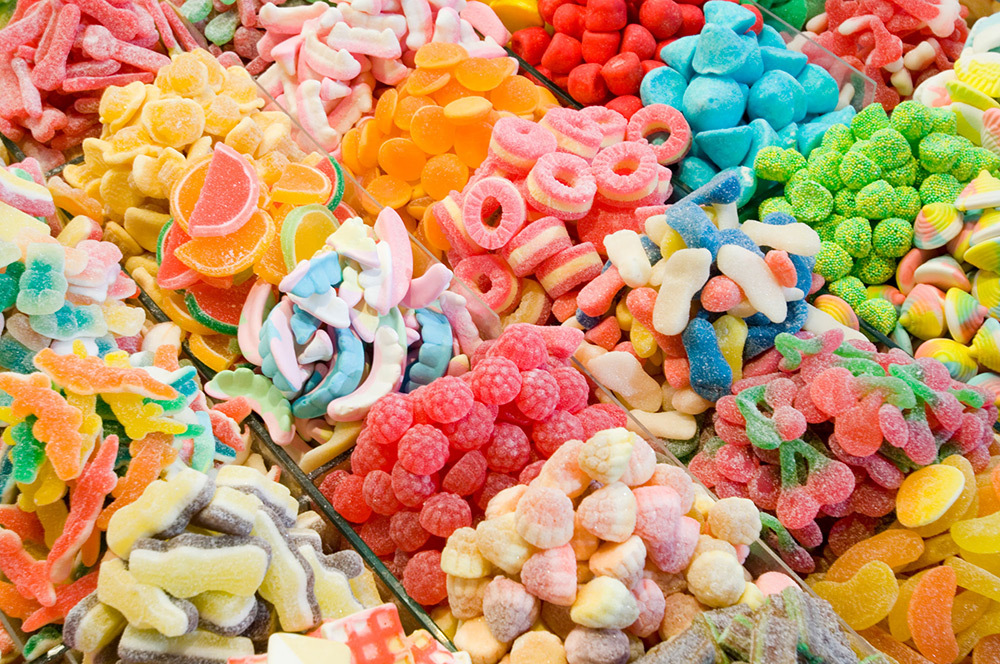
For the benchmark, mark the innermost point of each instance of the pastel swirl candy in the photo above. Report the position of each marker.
(990, 132)
(986, 344)
(888, 293)
(964, 315)
(953, 355)
(986, 289)
(987, 227)
(981, 72)
(935, 225)
(943, 272)
(982, 192)
(922, 313)
(838, 309)
(989, 381)
(985, 255)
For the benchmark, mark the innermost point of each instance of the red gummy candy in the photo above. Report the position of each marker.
(637, 39)
(423, 450)
(607, 15)
(424, 580)
(661, 17)
(348, 499)
(378, 495)
(406, 531)
(539, 394)
(509, 449)
(447, 399)
(474, 430)
(599, 47)
(412, 489)
(551, 433)
(496, 380)
(530, 43)
(569, 19)
(623, 73)
(375, 533)
(467, 475)
(389, 418)
(445, 513)
(562, 54)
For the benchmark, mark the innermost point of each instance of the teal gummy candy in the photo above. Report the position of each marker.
(204, 445)
(71, 322)
(42, 286)
(9, 285)
(220, 30)
(28, 452)
(185, 381)
(15, 356)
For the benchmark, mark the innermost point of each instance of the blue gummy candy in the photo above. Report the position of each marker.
(725, 147)
(729, 14)
(740, 239)
(711, 102)
(778, 219)
(323, 273)
(763, 136)
(747, 183)
(753, 66)
(342, 377)
(761, 337)
(653, 254)
(821, 90)
(723, 189)
(203, 456)
(803, 271)
(789, 135)
(585, 321)
(720, 51)
(770, 37)
(810, 136)
(303, 325)
(695, 172)
(776, 97)
(694, 226)
(435, 350)
(42, 286)
(71, 321)
(842, 116)
(782, 59)
(663, 85)
(678, 55)
(711, 375)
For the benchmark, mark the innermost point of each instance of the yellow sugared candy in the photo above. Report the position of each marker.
(927, 494)
(866, 598)
(980, 535)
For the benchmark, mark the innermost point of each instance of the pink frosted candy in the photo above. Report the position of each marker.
(673, 553)
(509, 609)
(550, 575)
(562, 471)
(833, 391)
(516, 144)
(658, 510)
(676, 479)
(790, 423)
(772, 583)
(597, 646)
(575, 133)
(652, 605)
(544, 517)
(613, 124)
(720, 293)
(641, 464)
(623, 561)
(609, 513)
(780, 392)
(480, 202)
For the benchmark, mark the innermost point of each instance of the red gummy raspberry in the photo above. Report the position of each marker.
(389, 418)
(509, 449)
(375, 533)
(348, 499)
(423, 450)
(523, 345)
(598, 47)
(330, 482)
(406, 531)
(496, 380)
(445, 513)
(474, 430)
(424, 580)
(420, 415)
(369, 455)
(661, 17)
(377, 492)
(495, 483)
(530, 472)
(599, 417)
(637, 39)
(539, 394)
(447, 399)
(573, 388)
(550, 434)
(411, 489)
(467, 475)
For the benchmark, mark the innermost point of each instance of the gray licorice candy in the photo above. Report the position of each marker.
(230, 511)
(224, 613)
(735, 640)
(147, 646)
(91, 624)
(692, 646)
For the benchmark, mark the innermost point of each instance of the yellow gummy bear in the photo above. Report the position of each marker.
(866, 598)
(642, 340)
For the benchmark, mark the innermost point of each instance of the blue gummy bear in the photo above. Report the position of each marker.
(720, 51)
(753, 66)
(803, 271)
(776, 97)
(711, 375)
(712, 102)
(70, 322)
(740, 239)
(729, 14)
(821, 89)
(784, 60)
(763, 136)
(695, 172)
(663, 85)
(725, 147)
(14, 356)
(761, 337)
(653, 254)
(342, 377)
(678, 55)
(693, 225)
(303, 325)
(42, 286)
(105, 345)
(770, 37)
(323, 273)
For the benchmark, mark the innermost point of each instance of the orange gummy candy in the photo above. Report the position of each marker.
(890, 646)
(929, 615)
(302, 185)
(385, 109)
(13, 604)
(389, 191)
(186, 191)
(431, 130)
(229, 254)
(481, 75)
(90, 375)
(443, 173)
(401, 158)
(987, 651)
(148, 460)
(369, 141)
(439, 55)
(897, 548)
(473, 142)
(516, 95)
(426, 81)
(406, 108)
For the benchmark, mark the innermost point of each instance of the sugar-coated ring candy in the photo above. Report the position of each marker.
(517, 144)
(625, 173)
(569, 268)
(575, 133)
(490, 278)
(651, 122)
(536, 242)
(561, 185)
(475, 210)
(613, 124)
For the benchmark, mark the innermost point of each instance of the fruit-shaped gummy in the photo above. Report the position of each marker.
(929, 615)
(864, 599)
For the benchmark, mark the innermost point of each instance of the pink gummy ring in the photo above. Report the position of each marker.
(625, 173)
(561, 185)
(490, 278)
(482, 200)
(516, 144)
(665, 129)
(613, 124)
(575, 132)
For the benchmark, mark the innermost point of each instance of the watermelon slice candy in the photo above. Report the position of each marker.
(218, 308)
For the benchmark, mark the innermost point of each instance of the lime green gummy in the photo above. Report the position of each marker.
(879, 313)
(832, 261)
(869, 121)
(875, 200)
(892, 237)
(913, 120)
(906, 203)
(940, 188)
(265, 398)
(855, 236)
(811, 201)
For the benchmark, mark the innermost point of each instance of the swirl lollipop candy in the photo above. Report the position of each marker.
(986, 227)
(953, 355)
(922, 313)
(963, 314)
(838, 309)
(935, 225)
(943, 272)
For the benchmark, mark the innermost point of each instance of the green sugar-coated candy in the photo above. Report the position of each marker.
(850, 290)
(892, 237)
(879, 313)
(832, 261)
(855, 236)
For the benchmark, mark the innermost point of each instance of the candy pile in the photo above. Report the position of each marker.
(548, 195)
(602, 51)
(818, 428)
(788, 625)
(356, 292)
(434, 126)
(970, 89)
(869, 191)
(56, 57)
(741, 90)
(53, 293)
(931, 577)
(206, 565)
(427, 462)
(898, 45)
(599, 546)
(328, 60)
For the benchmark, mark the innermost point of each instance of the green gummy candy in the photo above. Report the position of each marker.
(71, 321)
(778, 164)
(943, 121)
(940, 188)
(879, 313)
(892, 237)
(845, 202)
(9, 285)
(41, 642)
(938, 152)
(793, 12)
(220, 30)
(869, 121)
(28, 452)
(42, 286)
(875, 200)
(858, 169)
(264, 397)
(903, 176)
(855, 236)
(824, 167)
(906, 203)
(811, 201)
(913, 120)
(14, 356)
(973, 160)
(888, 148)
(832, 261)
(761, 430)
(850, 290)
(196, 11)
(772, 205)
(838, 137)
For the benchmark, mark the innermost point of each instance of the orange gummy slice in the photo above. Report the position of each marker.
(452, 91)
(390, 191)
(217, 351)
(472, 143)
(988, 649)
(896, 548)
(227, 197)
(301, 185)
(442, 174)
(187, 189)
(481, 75)
(426, 81)
(222, 256)
(883, 641)
(439, 55)
(929, 615)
